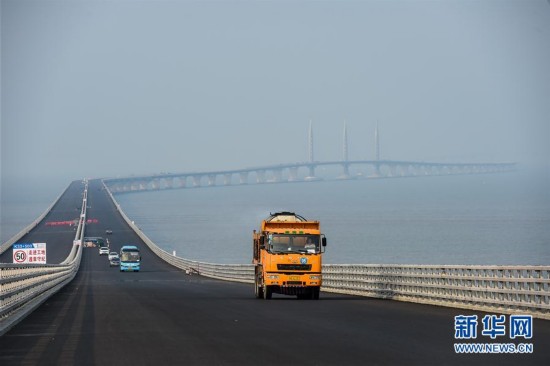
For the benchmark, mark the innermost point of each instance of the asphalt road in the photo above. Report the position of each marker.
(161, 316)
(58, 238)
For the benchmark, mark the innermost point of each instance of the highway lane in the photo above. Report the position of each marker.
(58, 238)
(163, 316)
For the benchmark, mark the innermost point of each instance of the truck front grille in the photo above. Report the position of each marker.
(294, 267)
(294, 283)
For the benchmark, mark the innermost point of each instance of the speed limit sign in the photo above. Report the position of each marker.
(19, 256)
(32, 253)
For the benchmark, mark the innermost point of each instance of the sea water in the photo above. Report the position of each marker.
(473, 219)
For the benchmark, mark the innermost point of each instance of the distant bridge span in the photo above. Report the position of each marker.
(300, 172)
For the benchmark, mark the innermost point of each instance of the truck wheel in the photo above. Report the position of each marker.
(267, 292)
(258, 290)
(315, 293)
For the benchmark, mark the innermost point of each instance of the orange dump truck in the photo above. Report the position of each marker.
(287, 255)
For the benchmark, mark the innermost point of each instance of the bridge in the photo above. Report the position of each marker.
(303, 172)
(78, 310)
(285, 173)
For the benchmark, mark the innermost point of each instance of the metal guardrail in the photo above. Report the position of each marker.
(503, 289)
(24, 287)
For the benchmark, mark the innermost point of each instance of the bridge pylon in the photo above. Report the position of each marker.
(345, 164)
(311, 176)
(376, 152)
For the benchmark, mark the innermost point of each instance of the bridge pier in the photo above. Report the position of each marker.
(182, 182)
(243, 177)
(211, 180)
(196, 181)
(140, 185)
(345, 172)
(277, 175)
(311, 176)
(377, 170)
(401, 170)
(169, 182)
(393, 171)
(227, 179)
(293, 174)
(260, 176)
(155, 184)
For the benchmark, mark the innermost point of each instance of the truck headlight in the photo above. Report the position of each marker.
(315, 277)
(273, 277)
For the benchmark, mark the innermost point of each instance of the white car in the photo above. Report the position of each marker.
(113, 255)
(103, 250)
(114, 260)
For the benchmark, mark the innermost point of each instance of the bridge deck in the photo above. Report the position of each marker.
(162, 316)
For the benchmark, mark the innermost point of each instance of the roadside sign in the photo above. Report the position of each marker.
(26, 253)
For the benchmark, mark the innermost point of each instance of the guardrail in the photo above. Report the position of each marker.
(5, 246)
(503, 289)
(24, 287)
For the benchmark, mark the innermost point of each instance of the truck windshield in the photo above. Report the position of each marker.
(288, 243)
(130, 256)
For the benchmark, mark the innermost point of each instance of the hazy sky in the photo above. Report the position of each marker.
(105, 88)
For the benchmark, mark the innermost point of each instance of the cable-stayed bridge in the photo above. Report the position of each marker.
(306, 171)
(294, 172)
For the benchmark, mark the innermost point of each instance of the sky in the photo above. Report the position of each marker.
(114, 88)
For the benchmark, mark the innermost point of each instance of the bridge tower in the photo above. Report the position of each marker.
(311, 175)
(345, 165)
(377, 150)
(377, 142)
(310, 140)
(345, 144)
